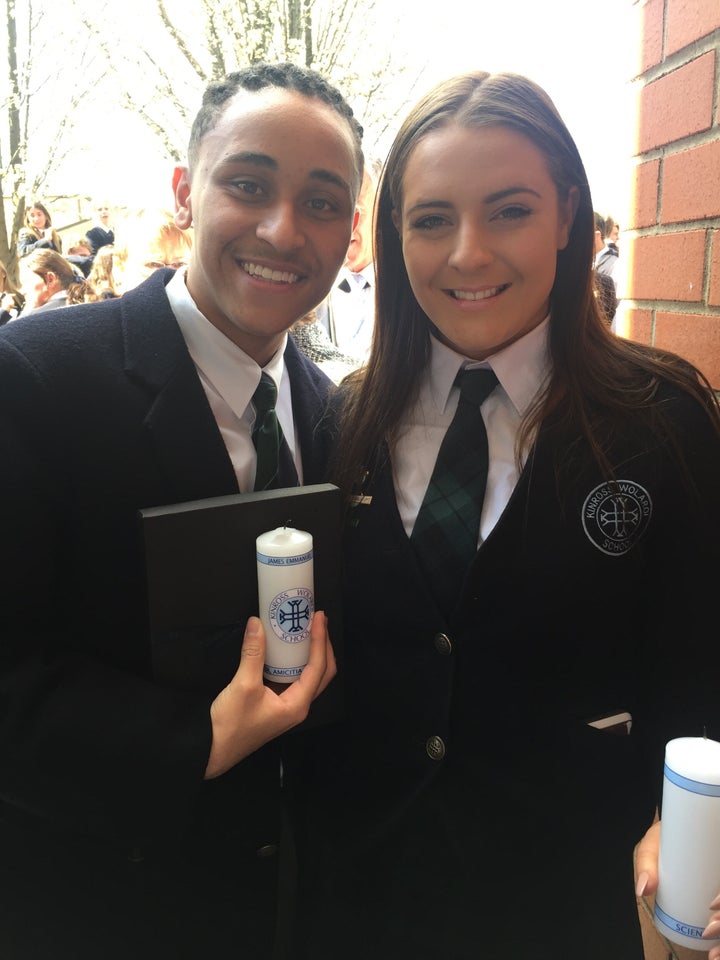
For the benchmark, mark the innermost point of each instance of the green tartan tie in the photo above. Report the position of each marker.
(445, 535)
(266, 433)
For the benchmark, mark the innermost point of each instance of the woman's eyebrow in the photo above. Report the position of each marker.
(508, 192)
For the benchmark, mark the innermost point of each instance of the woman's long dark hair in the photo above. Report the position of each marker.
(596, 376)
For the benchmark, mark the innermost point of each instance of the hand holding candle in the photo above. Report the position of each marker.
(689, 841)
(286, 600)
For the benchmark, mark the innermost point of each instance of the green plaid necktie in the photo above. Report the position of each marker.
(274, 460)
(445, 535)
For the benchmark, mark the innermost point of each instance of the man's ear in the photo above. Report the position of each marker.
(181, 191)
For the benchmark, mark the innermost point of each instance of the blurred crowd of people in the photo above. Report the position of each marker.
(119, 251)
(108, 259)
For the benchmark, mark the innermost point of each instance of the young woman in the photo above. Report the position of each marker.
(50, 281)
(485, 804)
(38, 232)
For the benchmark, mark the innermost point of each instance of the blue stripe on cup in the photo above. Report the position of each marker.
(693, 786)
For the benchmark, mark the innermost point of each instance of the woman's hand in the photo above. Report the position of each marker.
(646, 881)
(646, 862)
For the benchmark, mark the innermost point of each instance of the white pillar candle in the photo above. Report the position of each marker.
(286, 600)
(689, 862)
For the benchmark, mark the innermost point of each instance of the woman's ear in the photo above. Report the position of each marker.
(567, 210)
(396, 220)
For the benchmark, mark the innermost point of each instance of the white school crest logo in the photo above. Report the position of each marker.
(615, 515)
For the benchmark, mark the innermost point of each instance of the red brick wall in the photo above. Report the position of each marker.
(672, 243)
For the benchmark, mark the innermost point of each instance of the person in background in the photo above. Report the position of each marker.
(80, 255)
(612, 231)
(102, 275)
(142, 818)
(606, 260)
(151, 239)
(102, 233)
(604, 284)
(38, 232)
(50, 281)
(519, 485)
(348, 313)
(11, 299)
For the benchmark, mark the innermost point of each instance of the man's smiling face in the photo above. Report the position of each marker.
(271, 199)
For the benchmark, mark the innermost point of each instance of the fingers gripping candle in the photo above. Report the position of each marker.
(286, 600)
(689, 864)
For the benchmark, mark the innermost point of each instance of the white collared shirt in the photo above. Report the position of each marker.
(229, 377)
(522, 370)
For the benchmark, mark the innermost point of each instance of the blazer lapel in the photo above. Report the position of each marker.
(180, 423)
(309, 387)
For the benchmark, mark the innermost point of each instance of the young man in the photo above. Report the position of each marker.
(138, 819)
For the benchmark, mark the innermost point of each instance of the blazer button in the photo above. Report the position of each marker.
(443, 644)
(435, 748)
(268, 850)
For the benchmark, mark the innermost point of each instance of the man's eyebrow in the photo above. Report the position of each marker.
(265, 160)
(248, 156)
(327, 176)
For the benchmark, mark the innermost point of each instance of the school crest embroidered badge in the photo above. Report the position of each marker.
(615, 515)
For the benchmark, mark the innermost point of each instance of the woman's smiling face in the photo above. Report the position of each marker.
(481, 223)
(37, 218)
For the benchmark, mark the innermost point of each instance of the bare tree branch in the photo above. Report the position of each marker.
(213, 37)
(157, 128)
(179, 42)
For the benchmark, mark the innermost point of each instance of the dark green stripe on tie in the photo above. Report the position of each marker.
(445, 535)
(266, 432)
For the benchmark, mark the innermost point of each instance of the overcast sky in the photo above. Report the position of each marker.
(583, 54)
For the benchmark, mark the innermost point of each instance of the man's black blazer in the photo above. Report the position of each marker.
(103, 811)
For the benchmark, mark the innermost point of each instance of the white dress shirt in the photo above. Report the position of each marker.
(229, 377)
(348, 312)
(522, 370)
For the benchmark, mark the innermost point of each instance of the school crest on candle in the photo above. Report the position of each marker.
(286, 600)
(290, 614)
